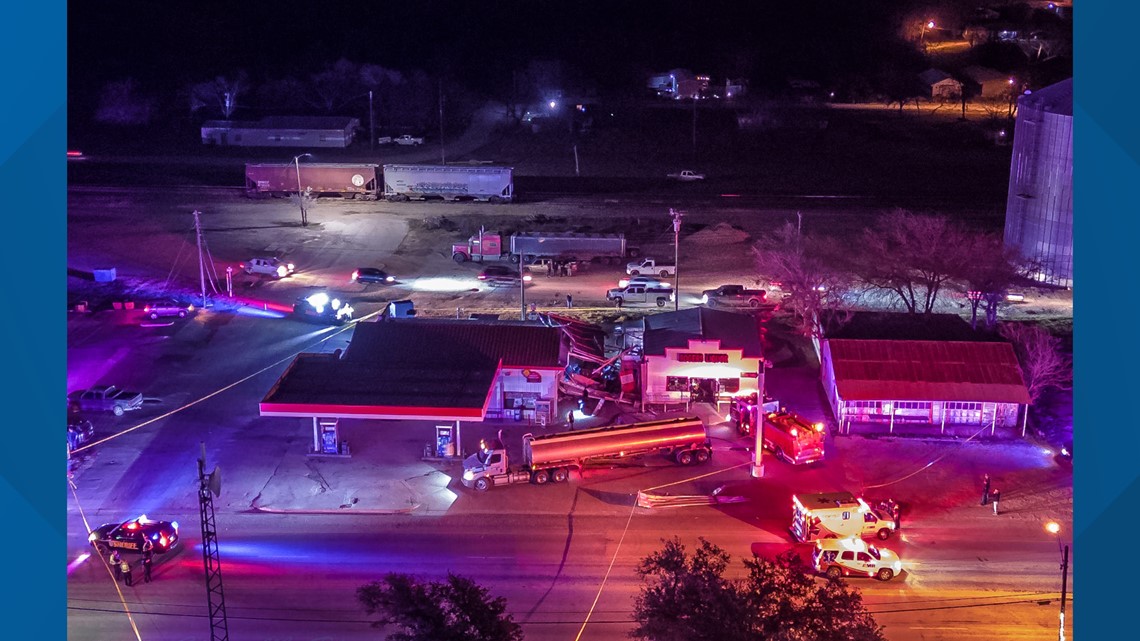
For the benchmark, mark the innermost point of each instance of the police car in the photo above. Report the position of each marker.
(854, 557)
(130, 535)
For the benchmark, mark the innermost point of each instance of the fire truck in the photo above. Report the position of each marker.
(837, 515)
(792, 438)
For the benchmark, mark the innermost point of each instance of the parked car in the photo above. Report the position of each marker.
(503, 275)
(408, 140)
(323, 308)
(274, 267)
(854, 557)
(104, 398)
(371, 275)
(167, 307)
(130, 535)
(80, 431)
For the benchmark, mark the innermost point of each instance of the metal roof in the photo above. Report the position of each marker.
(446, 343)
(1055, 99)
(674, 329)
(327, 385)
(911, 370)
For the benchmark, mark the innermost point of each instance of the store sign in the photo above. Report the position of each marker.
(532, 376)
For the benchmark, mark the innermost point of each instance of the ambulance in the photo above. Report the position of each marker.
(837, 515)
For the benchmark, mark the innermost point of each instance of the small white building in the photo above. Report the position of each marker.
(939, 85)
(700, 355)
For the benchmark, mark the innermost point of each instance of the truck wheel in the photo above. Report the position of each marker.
(685, 457)
(754, 303)
(181, 313)
(540, 477)
(102, 548)
(884, 534)
(884, 574)
(661, 302)
(664, 273)
(835, 572)
(560, 475)
(459, 257)
(117, 410)
(703, 455)
(780, 455)
(514, 258)
(482, 484)
(153, 316)
(635, 273)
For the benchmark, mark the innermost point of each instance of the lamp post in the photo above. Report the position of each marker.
(1054, 528)
(929, 24)
(300, 190)
(676, 258)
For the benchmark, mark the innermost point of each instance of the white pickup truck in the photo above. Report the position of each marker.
(650, 266)
(408, 140)
(686, 176)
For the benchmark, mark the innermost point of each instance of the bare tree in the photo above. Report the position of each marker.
(336, 85)
(804, 267)
(913, 257)
(1043, 363)
(988, 276)
(221, 93)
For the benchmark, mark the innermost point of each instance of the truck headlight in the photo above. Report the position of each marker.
(468, 475)
(705, 299)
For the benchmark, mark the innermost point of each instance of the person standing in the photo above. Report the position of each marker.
(570, 419)
(116, 563)
(994, 497)
(569, 301)
(128, 578)
(985, 489)
(148, 560)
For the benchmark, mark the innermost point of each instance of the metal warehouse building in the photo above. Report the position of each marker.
(1039, 209)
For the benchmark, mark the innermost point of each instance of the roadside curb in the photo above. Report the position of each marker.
(277, 510)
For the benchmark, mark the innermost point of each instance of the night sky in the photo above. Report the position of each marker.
(169, 44)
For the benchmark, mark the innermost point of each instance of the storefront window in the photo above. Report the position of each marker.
(677, 383)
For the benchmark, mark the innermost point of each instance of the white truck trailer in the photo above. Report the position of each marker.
(491, 184)
(837, 515)
(551, 457)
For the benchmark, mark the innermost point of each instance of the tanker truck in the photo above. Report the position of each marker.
(551, 457)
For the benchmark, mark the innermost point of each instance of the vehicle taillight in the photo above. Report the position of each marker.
(147, 308)
(482, 277)
(355, 275)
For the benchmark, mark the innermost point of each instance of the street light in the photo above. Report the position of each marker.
(1052, 527)
(929, 24)
(300, 191)
(676, 258)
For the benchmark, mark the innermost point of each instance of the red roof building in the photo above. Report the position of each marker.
(898, 381)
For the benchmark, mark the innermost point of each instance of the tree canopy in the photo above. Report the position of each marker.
(456, 609)
(687, 598)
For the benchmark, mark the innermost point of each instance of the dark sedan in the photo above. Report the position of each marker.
(372, 275)
(131, 535)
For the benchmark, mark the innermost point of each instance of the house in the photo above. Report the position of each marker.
(699, 355)
(939, 85)
(986, 83)
(442, 370)
(678, 84)
(282, 131)
(929, 375)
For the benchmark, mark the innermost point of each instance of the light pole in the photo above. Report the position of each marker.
(929, 24)
(676, 258)
(300, 190)
(1054, 528)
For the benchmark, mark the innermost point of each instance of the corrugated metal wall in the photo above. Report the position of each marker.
(1039, 208)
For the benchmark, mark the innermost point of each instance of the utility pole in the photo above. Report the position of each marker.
(694, 129)
(201, 258)
(676, 258)
(209, 486)
(371, 125)
(442, 152)
(300, 190)
(522, 287)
